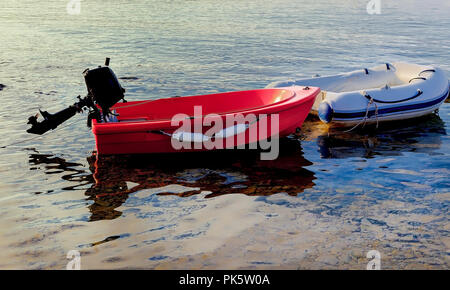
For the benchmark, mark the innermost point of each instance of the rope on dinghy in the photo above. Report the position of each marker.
(366, 116)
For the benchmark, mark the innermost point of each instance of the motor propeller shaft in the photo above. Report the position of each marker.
(51, 121)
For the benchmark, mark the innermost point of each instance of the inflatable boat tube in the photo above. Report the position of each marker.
(387, 92)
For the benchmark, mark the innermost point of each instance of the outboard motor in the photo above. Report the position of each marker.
(103, 86)
(104, 91)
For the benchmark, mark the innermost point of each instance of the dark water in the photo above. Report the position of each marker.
(329, 198)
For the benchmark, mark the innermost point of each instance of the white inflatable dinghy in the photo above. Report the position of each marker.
(384, 93)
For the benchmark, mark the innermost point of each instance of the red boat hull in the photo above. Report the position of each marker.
(146, 126)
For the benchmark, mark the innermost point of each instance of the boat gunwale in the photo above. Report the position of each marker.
(124, 127)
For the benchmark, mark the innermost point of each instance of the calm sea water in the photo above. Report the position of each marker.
(330, 197)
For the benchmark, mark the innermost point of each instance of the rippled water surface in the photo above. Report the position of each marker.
(329, 198)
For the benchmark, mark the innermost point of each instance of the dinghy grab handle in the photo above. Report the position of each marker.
(419, 92)
(388, 67)
(418, 78)
(427, 70)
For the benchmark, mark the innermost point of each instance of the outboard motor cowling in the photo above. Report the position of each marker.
(103, 87)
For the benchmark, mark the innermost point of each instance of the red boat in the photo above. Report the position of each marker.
(150, 127)
(246, 119)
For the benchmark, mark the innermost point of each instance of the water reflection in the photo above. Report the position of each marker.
(422, 135)
(217, 173)
(113, 178)
(54, 165)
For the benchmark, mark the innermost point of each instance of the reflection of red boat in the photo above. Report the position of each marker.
(145, 126)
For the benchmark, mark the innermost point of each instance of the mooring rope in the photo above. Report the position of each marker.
(364, 120)
(134, 105)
